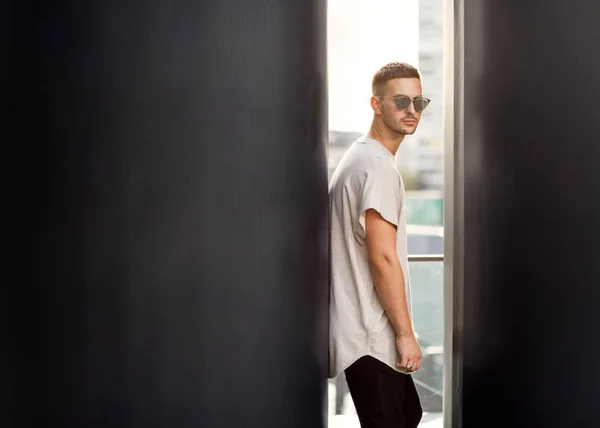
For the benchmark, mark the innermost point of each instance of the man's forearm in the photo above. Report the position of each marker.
(389, 282)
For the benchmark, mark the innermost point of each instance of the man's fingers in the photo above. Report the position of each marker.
(404, 361)
(406, 364)
(416, 365)
(409, 364)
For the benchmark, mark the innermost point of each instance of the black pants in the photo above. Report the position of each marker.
(383, 397)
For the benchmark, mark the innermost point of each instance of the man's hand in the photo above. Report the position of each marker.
(409, 353)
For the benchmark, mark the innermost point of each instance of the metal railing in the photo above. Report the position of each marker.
(425, 257)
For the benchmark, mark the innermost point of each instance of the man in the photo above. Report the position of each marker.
(372, 339)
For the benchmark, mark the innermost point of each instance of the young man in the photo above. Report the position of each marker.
(371, 333)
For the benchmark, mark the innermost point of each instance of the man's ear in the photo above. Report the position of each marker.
(375, 104)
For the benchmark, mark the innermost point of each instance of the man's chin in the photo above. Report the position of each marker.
(405, 131)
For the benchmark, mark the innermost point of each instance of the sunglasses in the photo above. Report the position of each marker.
(403, 102)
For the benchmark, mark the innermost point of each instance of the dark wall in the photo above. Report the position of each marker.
(165, 213)
(531, 205)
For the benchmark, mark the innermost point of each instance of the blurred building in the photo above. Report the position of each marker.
(429, 156)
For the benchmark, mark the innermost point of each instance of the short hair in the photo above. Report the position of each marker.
(393, 70)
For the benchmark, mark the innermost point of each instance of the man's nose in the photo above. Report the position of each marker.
(411, 107)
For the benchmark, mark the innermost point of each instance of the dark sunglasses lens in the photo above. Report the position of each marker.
(421, 104)
(402, 102)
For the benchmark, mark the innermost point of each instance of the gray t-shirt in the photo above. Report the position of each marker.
(366, 177)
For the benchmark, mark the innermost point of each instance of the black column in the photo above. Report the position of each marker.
(167, 229)
(528, 344)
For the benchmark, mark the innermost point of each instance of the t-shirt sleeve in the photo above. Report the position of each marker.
(379, 190)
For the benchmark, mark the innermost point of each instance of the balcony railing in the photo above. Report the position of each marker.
(425, 258)
(426, 274)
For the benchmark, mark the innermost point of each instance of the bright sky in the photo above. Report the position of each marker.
(364, 35)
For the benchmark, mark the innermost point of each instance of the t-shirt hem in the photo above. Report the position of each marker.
(343, 368)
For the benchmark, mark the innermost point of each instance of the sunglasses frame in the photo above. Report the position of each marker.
(397, 98)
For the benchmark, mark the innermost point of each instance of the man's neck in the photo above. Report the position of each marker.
(389, 139)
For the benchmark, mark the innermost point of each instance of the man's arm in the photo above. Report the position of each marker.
(388, 277)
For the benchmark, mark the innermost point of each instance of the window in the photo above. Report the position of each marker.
(355, 53)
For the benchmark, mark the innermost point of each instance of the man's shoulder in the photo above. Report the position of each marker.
(362, 159)
(353, 174)
(353, 162)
